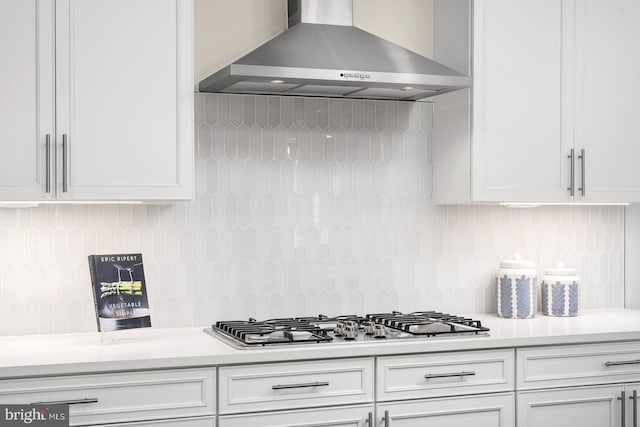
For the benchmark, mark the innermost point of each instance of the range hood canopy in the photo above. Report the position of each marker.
(323, 54)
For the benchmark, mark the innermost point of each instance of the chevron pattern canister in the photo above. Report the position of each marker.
(560, 291)
(517, 296)
(516, 289)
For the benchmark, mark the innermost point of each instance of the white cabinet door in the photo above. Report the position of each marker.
(505, 140)
(517, 141)
(124, 99)
(354, 416)
(26, 98)
(497, 410)
(607, 111)
(580, 406)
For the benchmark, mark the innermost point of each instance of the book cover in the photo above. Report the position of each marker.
(119, 292)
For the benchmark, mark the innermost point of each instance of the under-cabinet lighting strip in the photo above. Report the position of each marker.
(33, 204)
(536, 205)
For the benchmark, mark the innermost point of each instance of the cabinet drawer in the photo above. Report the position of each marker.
(597, 406)
(350, 416)
(490, 410)
(121, 397)
(181, 422)
(295, 385)
(444, 374)
(541, 367)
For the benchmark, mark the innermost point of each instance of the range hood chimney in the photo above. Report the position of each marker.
(323, 54)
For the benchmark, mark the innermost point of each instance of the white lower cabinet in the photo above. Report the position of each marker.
(587, 385)
(580, 406)
(491, 410)
(181, 396)
(412, 390)
(353, 416)
(193, 422)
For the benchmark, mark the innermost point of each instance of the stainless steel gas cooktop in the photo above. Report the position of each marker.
(344, 329)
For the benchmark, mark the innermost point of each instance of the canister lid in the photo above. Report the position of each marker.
(560, 270)
(516, 262)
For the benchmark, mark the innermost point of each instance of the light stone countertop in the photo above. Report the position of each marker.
(39, 355)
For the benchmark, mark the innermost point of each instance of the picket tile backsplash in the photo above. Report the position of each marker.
(302, 206)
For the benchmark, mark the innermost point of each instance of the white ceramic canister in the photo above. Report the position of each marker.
(560, 291)
(517, 292)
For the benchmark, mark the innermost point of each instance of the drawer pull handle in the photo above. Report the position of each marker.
(583, 187)
(65, 160)
(572, 187)
(386, 419)
(304, 385)
(67, 402)
(623, 362)
(47, 146)
(634, 397)
(452, 374)
(370, 419)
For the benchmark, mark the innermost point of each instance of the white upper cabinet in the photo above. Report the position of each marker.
(26, 99)
(607, 113)
(123, 84)
(124, 77)
(517, 132)
(550, 79)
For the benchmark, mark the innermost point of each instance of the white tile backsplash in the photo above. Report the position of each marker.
(302, 206)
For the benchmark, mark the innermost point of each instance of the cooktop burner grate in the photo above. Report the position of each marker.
(272, 331)
(428, 323)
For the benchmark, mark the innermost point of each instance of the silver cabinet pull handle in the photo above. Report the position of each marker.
(623, 362)
(452, 374)
(370, 419)
(47, 168)
(68, 402)
(634, 397)
(572, 186)
(387, 421)
(65, 152)
(583, 188)
(623, 405)
(304, 385)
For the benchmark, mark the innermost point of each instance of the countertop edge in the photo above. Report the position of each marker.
(288, 354)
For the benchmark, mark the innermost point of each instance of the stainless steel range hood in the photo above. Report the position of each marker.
(323, 54)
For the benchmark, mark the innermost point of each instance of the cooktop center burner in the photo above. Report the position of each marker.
(349, 328)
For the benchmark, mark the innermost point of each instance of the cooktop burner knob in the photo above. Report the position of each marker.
(369, 328)
(350, 333)
(351, 324)
(379, 331)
